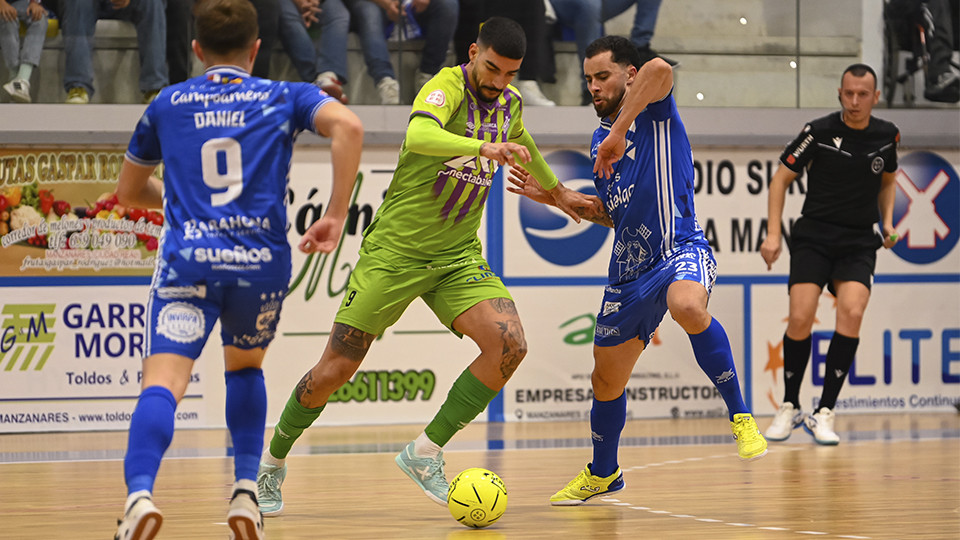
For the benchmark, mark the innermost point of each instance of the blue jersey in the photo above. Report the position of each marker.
(225, 139)
(650, 195)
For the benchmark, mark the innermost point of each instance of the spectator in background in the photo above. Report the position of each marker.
(299, 21)
(21, 58)
(78, 22)
(941, 83)
(438, 22)
(369, 19)
(538, 64)
(586, 18)
(179, 36)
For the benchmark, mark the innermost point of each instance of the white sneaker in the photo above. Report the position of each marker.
(19, 90)
(244, 518)
(420, 79)
(141, 522)
(329, 83)
(389, 90)
(820, 425)
(532, 95)
(785, 421)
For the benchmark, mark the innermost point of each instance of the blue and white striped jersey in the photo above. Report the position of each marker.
(225, 139)
(650, 195)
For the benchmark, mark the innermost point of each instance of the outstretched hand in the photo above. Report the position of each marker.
(610, 151)
(323, 236)
(525, 184)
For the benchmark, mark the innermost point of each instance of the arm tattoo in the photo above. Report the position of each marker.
(600, 217)
(350, 342)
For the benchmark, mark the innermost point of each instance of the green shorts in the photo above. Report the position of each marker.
(384, 283)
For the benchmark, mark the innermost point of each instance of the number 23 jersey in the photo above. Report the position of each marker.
(226, 140)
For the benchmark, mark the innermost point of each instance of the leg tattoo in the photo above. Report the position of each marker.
(350, 342)
(303, 387)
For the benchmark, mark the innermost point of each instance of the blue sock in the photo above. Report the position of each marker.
(607, 419)
(712, 349)
(151, 430)
(246, 411)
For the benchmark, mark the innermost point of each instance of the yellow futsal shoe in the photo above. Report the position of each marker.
(587, 486)
(750, 443)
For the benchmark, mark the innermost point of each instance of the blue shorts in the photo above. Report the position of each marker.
(635, 308)
(182, 314)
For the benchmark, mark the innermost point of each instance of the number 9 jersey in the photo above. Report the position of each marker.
(225, 139)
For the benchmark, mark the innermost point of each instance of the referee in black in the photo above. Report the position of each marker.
(851, 159)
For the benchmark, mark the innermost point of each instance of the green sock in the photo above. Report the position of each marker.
(466, 399)
(25, 71)
(293, 420)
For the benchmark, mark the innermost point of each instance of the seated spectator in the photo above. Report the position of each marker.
(538, 62)
(586, 18)
(941, 83)
(21, 58)
(369, 19)
(79, 20)
(438, 22)
(306, 31)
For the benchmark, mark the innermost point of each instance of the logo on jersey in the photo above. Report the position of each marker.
(611, 307)
(181, 322)
(436, 97)
(632, 249)
(792, 158)
(484, 274)
(226, 225)
(603, 330)
(238, 255)
(196, 291)
(876, 166)
(926, 212)
(551, 233)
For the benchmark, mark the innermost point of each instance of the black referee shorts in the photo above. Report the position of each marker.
(821, 253)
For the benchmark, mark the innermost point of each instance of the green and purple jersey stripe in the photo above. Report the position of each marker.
(434, 204)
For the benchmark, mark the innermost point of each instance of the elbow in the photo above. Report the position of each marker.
(351, 130)
(125, 195)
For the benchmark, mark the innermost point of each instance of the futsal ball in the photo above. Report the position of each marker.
(477, 498)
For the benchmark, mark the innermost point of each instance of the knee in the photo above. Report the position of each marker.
(850, 316)
(512, 348)
(691, 316)
(515, 345)
(605, 387)
(799, 325)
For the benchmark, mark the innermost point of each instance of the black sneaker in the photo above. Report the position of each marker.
(647, 54)
(945, 89)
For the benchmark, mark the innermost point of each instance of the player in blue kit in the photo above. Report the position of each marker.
(661, 261)
(225, 139)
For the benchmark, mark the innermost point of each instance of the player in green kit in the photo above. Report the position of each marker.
(465, 123)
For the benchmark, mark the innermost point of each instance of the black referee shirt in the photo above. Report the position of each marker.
(844, 168)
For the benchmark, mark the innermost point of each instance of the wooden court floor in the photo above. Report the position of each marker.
(892, 476)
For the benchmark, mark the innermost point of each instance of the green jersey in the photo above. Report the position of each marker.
(434, 203)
